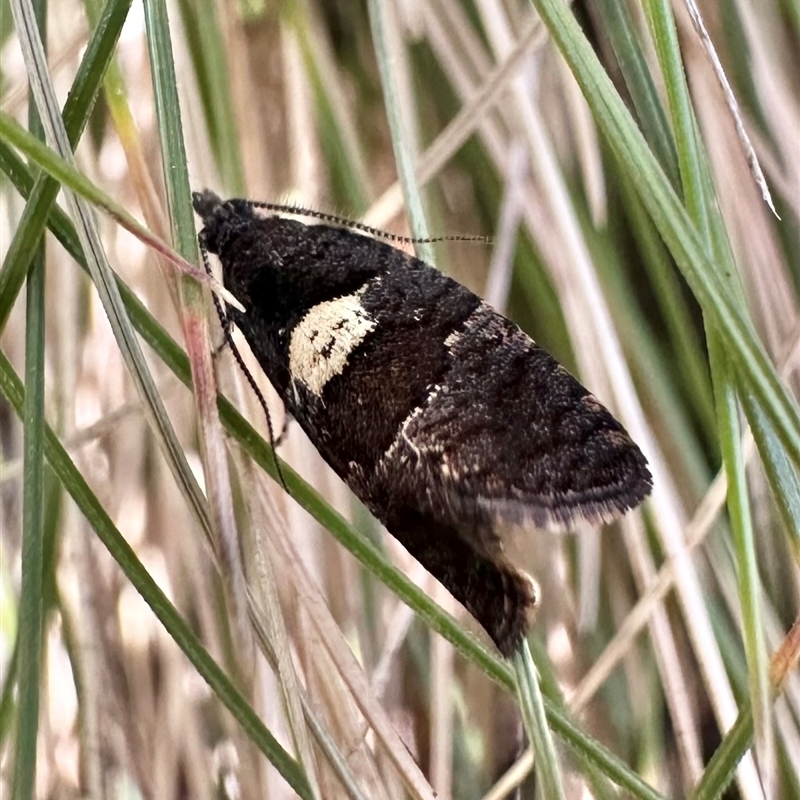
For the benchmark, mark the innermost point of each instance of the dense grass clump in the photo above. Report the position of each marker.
(638, 174)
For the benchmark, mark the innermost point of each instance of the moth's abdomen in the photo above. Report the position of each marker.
(501, 597)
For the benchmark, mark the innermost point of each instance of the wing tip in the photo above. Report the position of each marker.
(560, 513)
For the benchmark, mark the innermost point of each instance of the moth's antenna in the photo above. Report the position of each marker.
(360, 226)
(225, 322)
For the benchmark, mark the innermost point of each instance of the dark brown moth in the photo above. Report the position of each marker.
(440, 414)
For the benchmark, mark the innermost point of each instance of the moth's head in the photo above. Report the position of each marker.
(206, 204)
(222, 219)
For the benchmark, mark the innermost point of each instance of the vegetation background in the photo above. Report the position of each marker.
(172, 623)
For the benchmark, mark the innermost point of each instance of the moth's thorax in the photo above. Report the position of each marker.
(283, 269)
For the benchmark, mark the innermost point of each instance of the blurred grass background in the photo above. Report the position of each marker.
(276, 664)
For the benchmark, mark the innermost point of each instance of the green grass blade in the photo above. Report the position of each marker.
(702, 206)
(168, 110)
(741, 529)
(382, 30)
(207, 49)
(640, 84)
(721, 769)
(176, 181)
(31, 604)
(548, 767)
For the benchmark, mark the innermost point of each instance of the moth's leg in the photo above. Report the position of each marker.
(287, 418)
(226, 323)
(224, 319)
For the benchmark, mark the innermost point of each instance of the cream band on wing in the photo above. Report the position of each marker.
(325, 337)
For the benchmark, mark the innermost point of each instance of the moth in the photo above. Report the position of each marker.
(442, 416)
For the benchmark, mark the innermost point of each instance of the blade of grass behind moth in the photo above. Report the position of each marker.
(207, 49)
(350, 670)
(257, 550)
(783, 481)
(387, 52)
(639, 82)
(30, 618)
(76, 113)
(746, 572)
(31, 605)
(123, 554)
(548, 765)
(741, 527)
(270, 628)
(434, 616)
(337, 129)
(193, 309)
(195, 326)
(103, 276)
(701, 203)
(746, 351)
